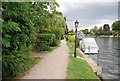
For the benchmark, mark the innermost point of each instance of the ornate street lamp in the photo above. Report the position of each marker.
(76, 26)
(76, 23)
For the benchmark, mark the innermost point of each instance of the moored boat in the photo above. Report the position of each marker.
(89, 45)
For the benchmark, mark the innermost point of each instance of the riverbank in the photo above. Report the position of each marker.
(78, 68)
(108, 56)
(100, 36)
(97, 69)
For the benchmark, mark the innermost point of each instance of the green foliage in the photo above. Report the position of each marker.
(115, 33)
(94, 30)
(20, 22)
(100, 31)
(42, 47)
(116, 25)
(59, 32)
(66, 30)
(16, 64)
(54, 23)
(70, 38)
(47, 38)
(107, 33)
(71, 32)
(57, 21)
(78, 41)
(18, 38)
(85, 31)
(9, 29)
(44, 41)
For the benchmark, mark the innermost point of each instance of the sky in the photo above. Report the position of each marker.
(89, 13)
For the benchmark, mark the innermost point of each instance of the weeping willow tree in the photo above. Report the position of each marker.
(56, 25)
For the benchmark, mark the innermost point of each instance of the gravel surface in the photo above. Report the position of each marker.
(53, 66)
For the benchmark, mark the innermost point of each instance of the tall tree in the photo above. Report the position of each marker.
(21, 21)
(116, 25)
(85, 31)
(18, 34)
(94, 30)
(100, 31)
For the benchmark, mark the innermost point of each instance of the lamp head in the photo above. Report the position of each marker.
(76, 23)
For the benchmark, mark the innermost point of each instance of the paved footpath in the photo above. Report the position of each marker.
(53, 66)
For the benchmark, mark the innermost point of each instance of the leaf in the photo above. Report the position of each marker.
(5, 42)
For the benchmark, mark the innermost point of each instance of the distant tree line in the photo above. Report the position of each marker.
(101, 31)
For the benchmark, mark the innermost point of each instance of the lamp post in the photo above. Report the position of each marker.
(76, 26)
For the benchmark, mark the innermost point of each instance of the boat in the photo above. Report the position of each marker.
(111, 36)
(89, 45)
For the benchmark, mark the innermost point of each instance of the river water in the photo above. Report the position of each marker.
(109, 53)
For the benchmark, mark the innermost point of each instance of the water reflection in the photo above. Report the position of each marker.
(108, 56)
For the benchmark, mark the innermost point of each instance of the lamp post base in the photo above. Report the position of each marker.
(75, 50)
(75, 53)
(74, 56)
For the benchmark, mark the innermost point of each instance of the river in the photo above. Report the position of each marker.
(109, 53)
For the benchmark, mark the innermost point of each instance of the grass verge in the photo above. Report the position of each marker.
(37, 59)
(78, 68)
(53, 48)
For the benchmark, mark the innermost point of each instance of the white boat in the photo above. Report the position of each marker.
(111, 36)
(89, 45)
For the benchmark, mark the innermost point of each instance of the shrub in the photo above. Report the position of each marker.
(20, 22)
(62, 37)
(78, 40)
(18, 35)
(16, 64)
(16, 47)
(47, 38)
(115, 33)
(70, 33)
(70, 38)
(55, 42)
(43, 47)
(107, 33)
(59, 32)
(44, 41)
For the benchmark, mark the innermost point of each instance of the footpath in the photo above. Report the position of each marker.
(53, 66)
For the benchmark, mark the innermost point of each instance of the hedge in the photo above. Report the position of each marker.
(18, 34)
(70, 38)
(46, 38)
(16, 47)
(44, 41)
